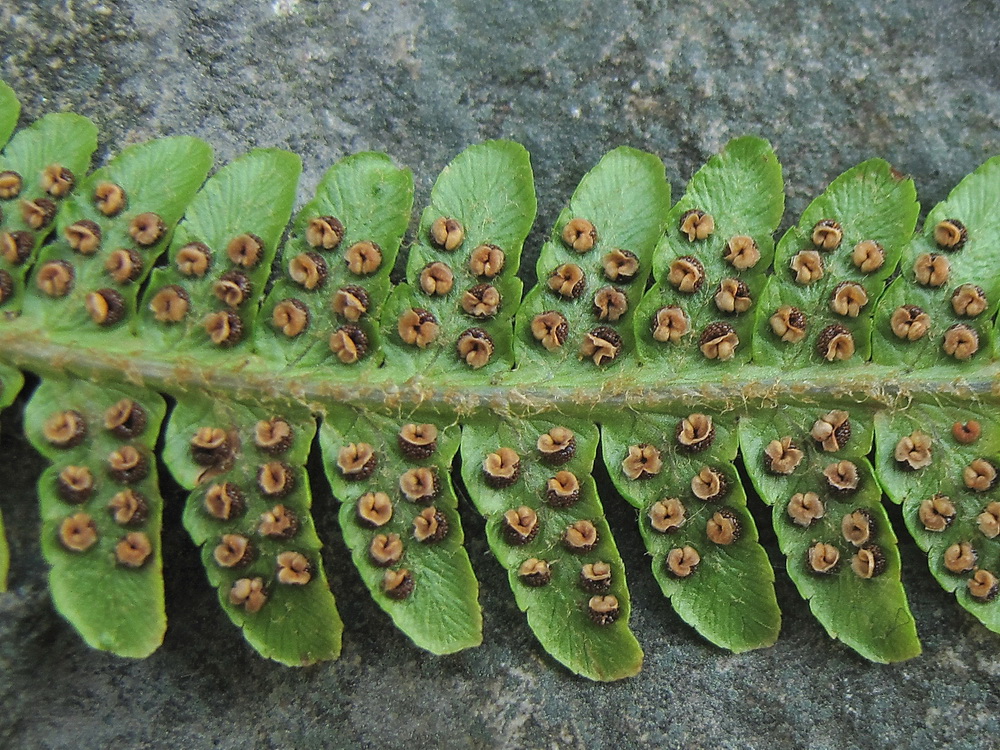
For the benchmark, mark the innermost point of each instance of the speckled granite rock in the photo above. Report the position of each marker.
(830, 84)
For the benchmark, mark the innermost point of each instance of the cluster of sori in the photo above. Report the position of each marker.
(678, 343)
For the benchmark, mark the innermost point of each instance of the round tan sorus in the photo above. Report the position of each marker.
(502, 467)
(788, 324)
(709, 484)
(535, 572)
(733, 296)
(430, 526)
(248, 593)
(950, 234)
(324, 232)
(65, 429)
(75, 484)
(842, 476)
(683, 561)
(105, 306)
(233, 551)
(78, 533)
(486, 261)
(374, 509)
(418, 441)
(550, 329)
(398, 584)
(275, 479)
(420, 484)
(686, 274)
(960, 558)
(989, 520)
(349, 343)
(290, 316)
(11, 184)
(308, 270)
(55, 278)
(127, 464)
(356, 460)
(620, 265)
(123, 265)
(601, 345)
(848, 299)
(293, 568)
(567, 280)
(868, 256)
(133, 550)
(642, 461)
(909, 323)
(418, 327)
(807, 265)
(695, 432)
(719, 341)
(579, 234)
(782, 456)
(170, 304)
(224, 501)
(386, 549)
(931, 269)
(804, 508)
(858, 527)
(110, 198)
(474, 347)
(969, 301)
(603, 610)
(351, 303)
(868, 562)
(741, 252)
(125, 418)
(832, 430)
(363, 258)
(520, 525)
(827, 234)
(697, 225)
(436, 278)
(562, 490)
(914, 450)
(581, 536)
(147, 229)
(38, 213)
(481, 301)
(224, 328)
(835, 343)
(983, 585)
(980, 475)
(960, 342)
(194, 259)
(233, 288)
(822, 558)
(670, 324)
(610, 304)
(557, 446)
(273, 435)
(246, 250)
(16, 247)
(84, 236)
(128, 507)
(667, 515)
(723, 528)
(595, 577)
(936, 513)
(447, 233)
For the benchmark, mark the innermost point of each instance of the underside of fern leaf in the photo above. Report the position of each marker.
(706, 365)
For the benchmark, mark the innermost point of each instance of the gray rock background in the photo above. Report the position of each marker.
(829, 83)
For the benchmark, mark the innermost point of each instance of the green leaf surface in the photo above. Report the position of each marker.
(729, 598)
(160, 177)
(945, 476)
(557, 612)
(114, 605)
(973, 203)
(742, 190)
(11, 382)
(252, 195)
(871, 615)
(373, 199)
(626, 197)
(56, 139)
(442, 614)
(489, 190)
(10, 110)
(298, 623)
(871, 201)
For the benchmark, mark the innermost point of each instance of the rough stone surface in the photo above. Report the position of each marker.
(830, 84)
